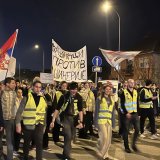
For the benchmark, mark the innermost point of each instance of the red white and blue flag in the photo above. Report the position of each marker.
(6, 52)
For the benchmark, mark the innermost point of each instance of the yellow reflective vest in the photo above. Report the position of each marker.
(130, 102)
(75, 106)
(105, 111)
(148, 94)
(58, 95)
(33, 114)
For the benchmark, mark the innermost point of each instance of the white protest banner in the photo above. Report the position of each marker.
(69, 66)
(46, 78)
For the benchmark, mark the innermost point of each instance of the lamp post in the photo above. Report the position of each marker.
(19, 70)
(36, 46)
(106, 7)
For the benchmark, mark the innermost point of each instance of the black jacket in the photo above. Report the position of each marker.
(64, 98)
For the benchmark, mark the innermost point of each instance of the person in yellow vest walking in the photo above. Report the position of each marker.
(62, 91)
(146, 109)
(88, 110)
(102, 119)
(32, 112)
(70, 106)
(129, 106)
(120, 114)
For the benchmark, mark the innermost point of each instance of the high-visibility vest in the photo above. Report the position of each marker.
(90, 99)
(58, 95)
(75, 106)
(130, 102)
(148, 94)
(105, 112)
(33, 114)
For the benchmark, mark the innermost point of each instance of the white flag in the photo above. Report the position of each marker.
(116, 57)
(69, 66)
(11, 67)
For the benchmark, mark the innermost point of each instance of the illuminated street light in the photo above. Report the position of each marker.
(106, 6)
(36, 46)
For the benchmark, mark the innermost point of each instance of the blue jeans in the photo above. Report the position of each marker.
(1, 144)
(9, 126)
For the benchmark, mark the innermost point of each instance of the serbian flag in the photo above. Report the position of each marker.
(114, 58)
(11, 67)
(6, 52)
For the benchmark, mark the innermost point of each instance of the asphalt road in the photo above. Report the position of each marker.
(85, 149)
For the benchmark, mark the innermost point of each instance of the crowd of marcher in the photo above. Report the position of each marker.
(29, 112)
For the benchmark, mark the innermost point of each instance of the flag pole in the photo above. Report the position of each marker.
(14, 42)
(12, 50)
(122, 78)
(19, 68)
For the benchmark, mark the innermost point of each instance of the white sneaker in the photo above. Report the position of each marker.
(15, 153)
(154, 136)
(142, 136)
(146, 132)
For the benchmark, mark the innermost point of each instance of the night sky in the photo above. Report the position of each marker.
(73, 24)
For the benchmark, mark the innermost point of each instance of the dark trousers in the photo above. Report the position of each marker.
(56, 132)
(1, 143)
(144, 113)
(134, 120)
(69, 131)
(37, 136)
(89, 122)
(9, 126)
(46, 138)
(17, 138)
(47, 130)
(120, 122)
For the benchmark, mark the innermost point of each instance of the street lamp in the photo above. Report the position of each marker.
(36, 46)
(106, 7)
